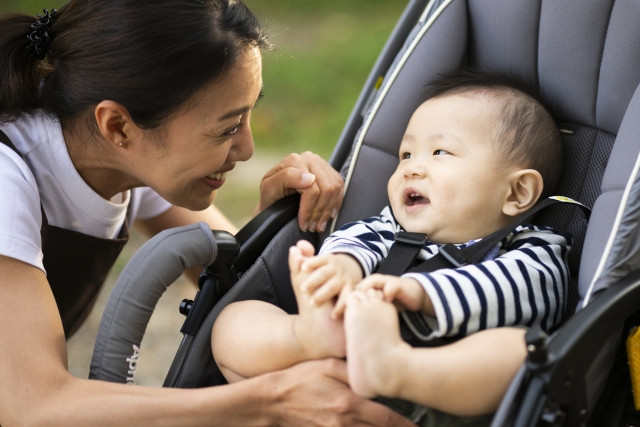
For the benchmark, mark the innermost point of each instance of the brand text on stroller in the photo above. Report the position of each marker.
(133, 363)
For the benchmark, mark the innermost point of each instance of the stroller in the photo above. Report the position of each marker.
(583, 58)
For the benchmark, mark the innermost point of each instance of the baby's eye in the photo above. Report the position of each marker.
(406, 155)
(440, 152)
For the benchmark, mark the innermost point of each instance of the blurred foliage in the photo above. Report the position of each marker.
(324, 52)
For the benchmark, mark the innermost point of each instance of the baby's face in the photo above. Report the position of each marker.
(450, 183)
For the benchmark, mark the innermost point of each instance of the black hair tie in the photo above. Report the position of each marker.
(39, 38)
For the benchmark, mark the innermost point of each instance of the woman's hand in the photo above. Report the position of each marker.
(316, 393)
(320, 185)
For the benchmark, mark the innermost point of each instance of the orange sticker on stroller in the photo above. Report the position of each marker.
(633, 355)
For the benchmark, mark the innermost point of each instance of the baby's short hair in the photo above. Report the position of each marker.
(526, 135)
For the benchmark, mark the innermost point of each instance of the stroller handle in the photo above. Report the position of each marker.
(155, 266)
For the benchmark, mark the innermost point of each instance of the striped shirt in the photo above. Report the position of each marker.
(524, 280)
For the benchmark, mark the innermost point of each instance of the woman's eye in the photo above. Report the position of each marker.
(234, 130)
(405, 156)
(440, 152)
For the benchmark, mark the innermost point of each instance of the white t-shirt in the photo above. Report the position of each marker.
(45, 174)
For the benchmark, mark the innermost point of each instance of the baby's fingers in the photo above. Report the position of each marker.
(375, 281)
(315, 278)
(316, 262)
(379, 282)
(339, 307)
(327, 291)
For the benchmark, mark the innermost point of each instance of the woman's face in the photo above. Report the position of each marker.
(203, 141)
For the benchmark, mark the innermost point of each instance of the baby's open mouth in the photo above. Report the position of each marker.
(412, 197)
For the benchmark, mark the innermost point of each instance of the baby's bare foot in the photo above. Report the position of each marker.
(319, 335)
(374, 346)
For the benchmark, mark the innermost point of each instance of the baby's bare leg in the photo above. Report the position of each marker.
(468, 377)
(375, 350)
(317, 332)
(250, 338)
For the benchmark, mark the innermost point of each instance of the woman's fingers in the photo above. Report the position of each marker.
(320, 186)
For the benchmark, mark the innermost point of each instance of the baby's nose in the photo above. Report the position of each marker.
(415, 169)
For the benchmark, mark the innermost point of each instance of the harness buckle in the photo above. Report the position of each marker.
(454, 255)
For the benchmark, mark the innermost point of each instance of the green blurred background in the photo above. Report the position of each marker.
(324, 52)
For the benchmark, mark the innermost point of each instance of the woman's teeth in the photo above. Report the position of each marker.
(217, 176)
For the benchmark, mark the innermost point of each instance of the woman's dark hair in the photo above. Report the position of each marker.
(150, 56)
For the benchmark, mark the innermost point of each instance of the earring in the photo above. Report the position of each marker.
(120, 144)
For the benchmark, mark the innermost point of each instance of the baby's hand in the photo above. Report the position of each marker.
(328, 275)
(405, 293)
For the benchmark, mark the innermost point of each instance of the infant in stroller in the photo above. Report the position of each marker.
(476, 154)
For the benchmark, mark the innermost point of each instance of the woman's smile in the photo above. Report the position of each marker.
(216, 180)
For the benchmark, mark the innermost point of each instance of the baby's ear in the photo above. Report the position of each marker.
(525, 189)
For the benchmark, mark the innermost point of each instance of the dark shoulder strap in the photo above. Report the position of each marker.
(406, 246)
(6, 141)
(475, 253)
(402, 254)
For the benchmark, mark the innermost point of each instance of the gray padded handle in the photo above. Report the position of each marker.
(156, 265)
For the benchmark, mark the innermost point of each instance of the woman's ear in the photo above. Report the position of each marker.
(525, 189)
(114, 123)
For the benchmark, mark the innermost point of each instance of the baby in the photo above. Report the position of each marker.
(477, 153)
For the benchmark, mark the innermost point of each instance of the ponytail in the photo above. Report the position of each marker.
(20, 71)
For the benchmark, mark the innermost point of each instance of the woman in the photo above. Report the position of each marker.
(115, 112)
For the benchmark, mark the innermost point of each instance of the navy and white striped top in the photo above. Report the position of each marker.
(524, 280)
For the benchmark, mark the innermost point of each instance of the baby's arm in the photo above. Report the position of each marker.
(525, 285)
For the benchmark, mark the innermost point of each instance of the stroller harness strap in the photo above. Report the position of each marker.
(406, 247)
(77, 265)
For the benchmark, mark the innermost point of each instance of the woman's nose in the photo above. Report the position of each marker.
(242, 149)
